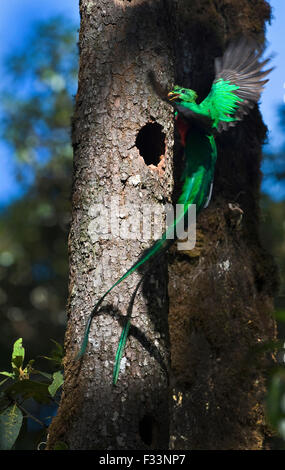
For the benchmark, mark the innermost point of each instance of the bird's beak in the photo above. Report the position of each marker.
(172, 96)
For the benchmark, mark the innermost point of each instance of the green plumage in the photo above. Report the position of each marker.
(235, 90)
(200, 159)
(200, 156)
(220, 105)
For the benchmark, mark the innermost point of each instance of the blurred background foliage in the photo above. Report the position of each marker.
(36, 112)
(272, 232)
(272, 229)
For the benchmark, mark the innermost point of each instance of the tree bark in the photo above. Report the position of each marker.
(116, 118)
(220, 293)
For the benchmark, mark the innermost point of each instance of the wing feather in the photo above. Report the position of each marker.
(238, 84)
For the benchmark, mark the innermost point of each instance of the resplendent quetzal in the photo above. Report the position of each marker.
(235, 90)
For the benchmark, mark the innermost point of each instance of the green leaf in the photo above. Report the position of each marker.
(25, 373)
(280, 315)
(275, 397)
(60, 445)
(18, 354)
(8, 374)
(57, 354)
(29, 366)
(29, 389)
(3, 381)
(44, 374)
(56, 383)
(58, 347)
(10, 424)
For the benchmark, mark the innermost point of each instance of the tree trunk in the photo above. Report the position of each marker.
(220, 293)
(116, 118)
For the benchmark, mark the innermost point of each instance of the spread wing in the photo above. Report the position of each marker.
(238, 84)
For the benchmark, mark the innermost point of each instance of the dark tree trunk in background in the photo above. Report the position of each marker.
(220, 294)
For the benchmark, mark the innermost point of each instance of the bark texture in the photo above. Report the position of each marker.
(116, 118)
(220, 293)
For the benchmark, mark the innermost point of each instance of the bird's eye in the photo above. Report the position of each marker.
(183, 91)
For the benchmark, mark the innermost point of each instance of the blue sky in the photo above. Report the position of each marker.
(274, 93)
(16, 22)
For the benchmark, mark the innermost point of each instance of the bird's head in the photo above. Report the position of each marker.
(182, 94)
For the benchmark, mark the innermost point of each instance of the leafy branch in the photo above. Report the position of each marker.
(22, 383)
